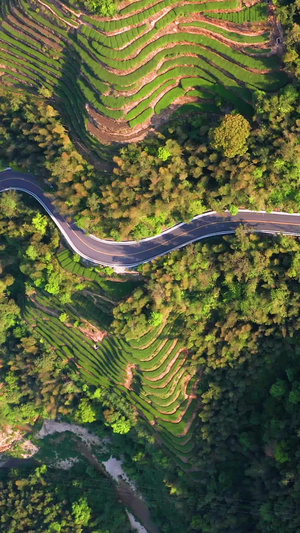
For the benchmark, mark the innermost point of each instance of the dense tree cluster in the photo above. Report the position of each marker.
(104, 8)
(258, 169)
(28, 264)
(52, 501)
(29, 242)
(236, 304)
(166, 178)
(33, 137)
(232, 134)
(36, 383)
(288, 14)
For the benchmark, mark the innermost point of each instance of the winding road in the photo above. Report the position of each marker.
(122, 255)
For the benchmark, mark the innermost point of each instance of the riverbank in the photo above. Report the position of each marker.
(136, 507)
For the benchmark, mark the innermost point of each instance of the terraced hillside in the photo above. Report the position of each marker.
(117, 78)
(151, 372)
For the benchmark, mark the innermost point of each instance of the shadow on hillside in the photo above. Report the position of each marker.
(71, 102)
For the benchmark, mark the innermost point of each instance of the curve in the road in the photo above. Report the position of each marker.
(133, 253)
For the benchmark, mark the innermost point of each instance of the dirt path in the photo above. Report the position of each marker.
(21, 27)
(129, 375)
(25, 20)
(254, 28)
(161, 359)
(92, 332)
(56, 15)
(78, 15)
(237, 45)
(167, 370)
(95, 296)
(47, 310)
(178, 4)
(174, 384)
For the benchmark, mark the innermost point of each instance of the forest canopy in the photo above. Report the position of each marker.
(235, 302)
(49, 501)
(167, 178)
(232, 303)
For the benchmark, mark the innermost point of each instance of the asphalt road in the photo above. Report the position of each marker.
(132, 253)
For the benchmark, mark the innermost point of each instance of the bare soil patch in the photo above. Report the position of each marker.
(8, 437)
(92, 332)
(129, 375)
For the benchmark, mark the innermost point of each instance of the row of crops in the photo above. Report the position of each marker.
(162, 385)
(148, 12)
(34, 49)
(112, 289)
(256, 13)
(139, 63)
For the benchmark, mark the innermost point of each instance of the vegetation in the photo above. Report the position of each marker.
(247, 320)
(50, 367)
(149, 374)
(255, 13)
(189, 370)
(231, 136)
(117, 73)
(288, 14)
(105, 8)
(195, 177)
(235, 302)
(51, 501)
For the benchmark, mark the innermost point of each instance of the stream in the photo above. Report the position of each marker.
(125, 488)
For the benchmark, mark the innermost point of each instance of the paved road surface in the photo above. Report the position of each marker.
(131, 253)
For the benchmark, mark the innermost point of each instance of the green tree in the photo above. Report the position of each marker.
(54, 283)
(279, 388)
(156, 318)
(9, 203)
(163, 153)
(81, 511)
(32, 252)
(86, 412)
(105, 8)
(63, 317)
(121, 426)
(40, 223)
(231, 135)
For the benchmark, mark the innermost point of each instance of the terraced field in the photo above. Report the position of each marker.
(117, 78)
(151, 372)
(110, 289)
